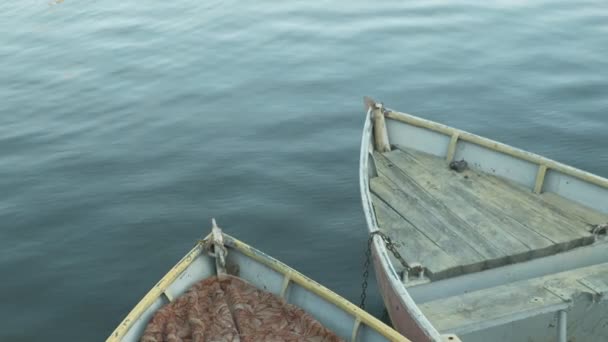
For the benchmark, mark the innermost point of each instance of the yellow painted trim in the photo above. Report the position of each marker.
(294, 276)
(353, 337)
(499, 147)
(540, 179)
(452, 147)
(154, 293)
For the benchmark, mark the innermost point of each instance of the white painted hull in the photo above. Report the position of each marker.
(405, 320)
(404, 313)
(334, 312)
(518, 166)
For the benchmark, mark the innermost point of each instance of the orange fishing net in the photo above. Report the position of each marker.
(230, 309)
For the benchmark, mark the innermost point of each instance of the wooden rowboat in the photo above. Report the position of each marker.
(494, 243)
(335, 313)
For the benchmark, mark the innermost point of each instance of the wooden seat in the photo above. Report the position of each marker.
(521, 300)
(460, 222)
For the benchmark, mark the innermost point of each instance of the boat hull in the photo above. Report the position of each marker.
(402, 318)
(266, 273)
(405, 315)
(492, 302)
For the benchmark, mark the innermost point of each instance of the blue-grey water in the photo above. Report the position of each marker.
(125, 126)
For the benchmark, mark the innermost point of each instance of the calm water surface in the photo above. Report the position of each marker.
(125, 126)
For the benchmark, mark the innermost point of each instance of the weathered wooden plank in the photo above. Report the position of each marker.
(425, 222)
(412, 244)
(535, 202)
(543, 220)
(483, 231)
(380, 133)
(474, 309)
(524, 197)
(575, 214)
(571, 208)
(442, 181)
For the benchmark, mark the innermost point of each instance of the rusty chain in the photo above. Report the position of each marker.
(368, 253)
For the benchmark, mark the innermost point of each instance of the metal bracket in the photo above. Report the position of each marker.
(415, 272)
(415, 277)
(599, 231)
(599, 290)
(559, 292)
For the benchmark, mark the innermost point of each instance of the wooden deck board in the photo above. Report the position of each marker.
(420, 217)
(445, 217)
(537, 203)
(479, 220)
(473, 218)
(437, 177)
(411, 243)
(513, 201)
(474, 309)
(567, 207)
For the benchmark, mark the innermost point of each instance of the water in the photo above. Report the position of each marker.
(125, 126)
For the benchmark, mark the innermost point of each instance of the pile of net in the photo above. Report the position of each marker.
(227, 308)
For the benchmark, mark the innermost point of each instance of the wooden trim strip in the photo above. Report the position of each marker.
(286, 281)
(380, 131)
(500, 147)
(353, 337)
(540, 179)
(452, 146)
(168, 296)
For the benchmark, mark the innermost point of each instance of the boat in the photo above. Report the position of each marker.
(276, 285)
(478, 239)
